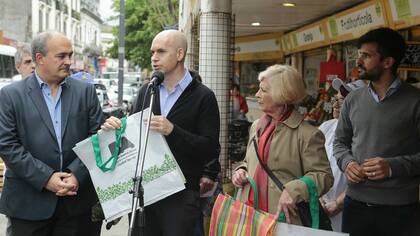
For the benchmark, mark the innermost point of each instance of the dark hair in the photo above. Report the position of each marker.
(235, 85)
(389, 42)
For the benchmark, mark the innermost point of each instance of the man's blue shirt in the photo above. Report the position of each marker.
(168, 99)
(54, 108)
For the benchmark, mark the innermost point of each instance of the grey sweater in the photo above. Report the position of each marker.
(388, 129)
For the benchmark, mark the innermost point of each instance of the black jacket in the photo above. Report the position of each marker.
(194, 140)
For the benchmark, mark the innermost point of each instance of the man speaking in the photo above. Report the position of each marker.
(186, 113)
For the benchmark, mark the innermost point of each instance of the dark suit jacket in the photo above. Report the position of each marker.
(29, 147)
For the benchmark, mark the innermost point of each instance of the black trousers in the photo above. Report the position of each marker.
(60, 224)
(362, 219)
(175, 215)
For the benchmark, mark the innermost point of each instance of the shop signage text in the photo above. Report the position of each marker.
(357, 21)
(258, 46)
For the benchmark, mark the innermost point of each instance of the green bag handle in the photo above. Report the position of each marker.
(97, 150)
(313, 200)
(225, 209)
(254, 190)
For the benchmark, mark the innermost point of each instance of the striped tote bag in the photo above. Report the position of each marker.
(234, 218)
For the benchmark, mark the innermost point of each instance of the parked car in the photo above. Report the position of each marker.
(101, 90)
(102, 94)
(129, 96)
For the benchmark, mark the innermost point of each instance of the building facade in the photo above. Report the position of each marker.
(90, 23)
(21, 20)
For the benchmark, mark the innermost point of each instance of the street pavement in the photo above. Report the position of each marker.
(120, 229)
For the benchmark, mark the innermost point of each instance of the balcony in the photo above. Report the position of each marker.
(75, 14)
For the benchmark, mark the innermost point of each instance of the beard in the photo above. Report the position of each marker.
(371, 75)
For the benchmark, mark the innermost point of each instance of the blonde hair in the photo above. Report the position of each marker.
(286, 84)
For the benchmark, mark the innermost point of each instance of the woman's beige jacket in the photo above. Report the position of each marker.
(297, 149)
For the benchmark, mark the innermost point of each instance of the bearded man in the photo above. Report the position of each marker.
(377, 143)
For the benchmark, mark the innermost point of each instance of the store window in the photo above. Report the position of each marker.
(350, 58)
(248, 80)
(311, 72)
(320, 67)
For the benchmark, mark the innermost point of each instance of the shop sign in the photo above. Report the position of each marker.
(268, 45)
(404, 13)
(310, 36)
(258, 47)
(358, 21)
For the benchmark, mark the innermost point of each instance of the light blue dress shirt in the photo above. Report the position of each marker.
(391, 90)
(54, 108)
(168, 99)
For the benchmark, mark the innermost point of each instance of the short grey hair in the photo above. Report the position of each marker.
(286, 84)
(39, 43)
(21, 50)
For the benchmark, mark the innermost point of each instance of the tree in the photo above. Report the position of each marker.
(143, 20)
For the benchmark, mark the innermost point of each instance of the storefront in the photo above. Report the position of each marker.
(306, 49)
(316, 42)
(254, 54)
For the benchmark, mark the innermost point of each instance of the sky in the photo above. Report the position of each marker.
(105, 9)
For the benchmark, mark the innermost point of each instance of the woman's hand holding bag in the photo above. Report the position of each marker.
(287, 206)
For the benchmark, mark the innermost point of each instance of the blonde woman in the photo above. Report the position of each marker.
(287, 144)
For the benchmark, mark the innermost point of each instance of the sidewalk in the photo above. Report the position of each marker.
(120, 229)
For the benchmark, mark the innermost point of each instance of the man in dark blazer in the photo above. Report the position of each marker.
(48, 190)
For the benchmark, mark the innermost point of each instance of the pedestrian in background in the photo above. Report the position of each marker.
(187, 115)
(47, 189)
(239, 107)
(333, 200)
(377, 143)
(23, 61)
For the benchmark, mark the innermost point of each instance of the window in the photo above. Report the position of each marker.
(40, 19)
(65, 26)
(79, 37)
(57, 21)
(47, 19)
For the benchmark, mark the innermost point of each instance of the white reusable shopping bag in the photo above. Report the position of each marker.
(162, 176)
